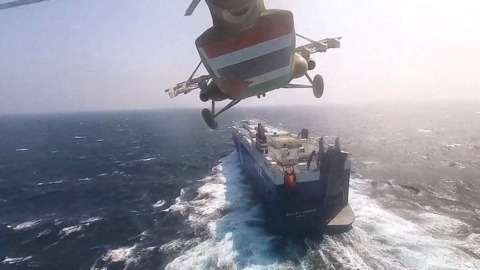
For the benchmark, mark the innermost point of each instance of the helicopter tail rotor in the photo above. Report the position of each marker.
(192, 7)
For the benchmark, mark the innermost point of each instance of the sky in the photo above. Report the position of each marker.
(90, 55)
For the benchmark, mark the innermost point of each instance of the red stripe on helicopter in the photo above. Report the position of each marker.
(265, 30)
(237, 87)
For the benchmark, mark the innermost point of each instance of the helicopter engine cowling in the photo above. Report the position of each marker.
(204, 97)
(212, 92)
(300, 66)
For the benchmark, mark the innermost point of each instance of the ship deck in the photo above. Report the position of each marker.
(284, 149)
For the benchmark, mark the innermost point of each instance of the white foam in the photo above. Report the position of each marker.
(44, 232)
(424, 130)
(79, 137)
(159, 204)
(55, 182)
(453, 145)
(378, 240)
(148, 159)
(27, 225)
(178, 245)
(8, 260)
(85, 179)
(69, 230)
(50, 183)
(367, 162)
(383, 240)
(224, 209)
(21, 149)
(90, 220)
(123, 254)
(77, 228)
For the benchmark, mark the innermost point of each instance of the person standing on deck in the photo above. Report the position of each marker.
(311, 158)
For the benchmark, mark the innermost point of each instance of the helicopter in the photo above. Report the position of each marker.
(18, 3)
(249, 51)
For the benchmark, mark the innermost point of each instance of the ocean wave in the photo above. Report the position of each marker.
(69, 230)
(44, 232)
(79, 227)
(159, 204)
(123, 254)
(148, 159)
(27, 225)
(90, 220)
(449, 227)
(9, 260)
(51, 183)
(453, 145)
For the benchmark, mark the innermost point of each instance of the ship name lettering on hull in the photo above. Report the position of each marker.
(303, 212)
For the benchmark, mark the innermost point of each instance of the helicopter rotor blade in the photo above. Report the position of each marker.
(18, 3)
(192, 7)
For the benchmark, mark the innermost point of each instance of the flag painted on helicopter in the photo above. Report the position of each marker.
(256, 60)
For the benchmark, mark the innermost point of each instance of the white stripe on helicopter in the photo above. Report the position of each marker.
(206, 59)
(270, 75)
(251, 52)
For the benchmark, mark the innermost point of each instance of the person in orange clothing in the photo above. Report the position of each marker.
(290, 177)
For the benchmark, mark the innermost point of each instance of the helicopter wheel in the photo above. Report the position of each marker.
(209, 118)
(318, 86)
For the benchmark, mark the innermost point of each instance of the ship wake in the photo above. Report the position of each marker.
(227, 231)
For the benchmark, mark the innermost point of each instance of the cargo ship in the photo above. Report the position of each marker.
(302, 183)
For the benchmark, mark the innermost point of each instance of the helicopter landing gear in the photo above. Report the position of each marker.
(209, 116)
(317, 85)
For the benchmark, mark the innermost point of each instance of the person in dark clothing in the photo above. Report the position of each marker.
(303, 134)
(310, 159)
(321, 151)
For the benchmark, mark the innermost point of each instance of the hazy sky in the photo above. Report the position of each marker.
(78, 55)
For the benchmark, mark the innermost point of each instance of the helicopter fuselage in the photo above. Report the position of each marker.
(249, 50)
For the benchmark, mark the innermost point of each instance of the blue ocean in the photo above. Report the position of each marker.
(159, 190)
